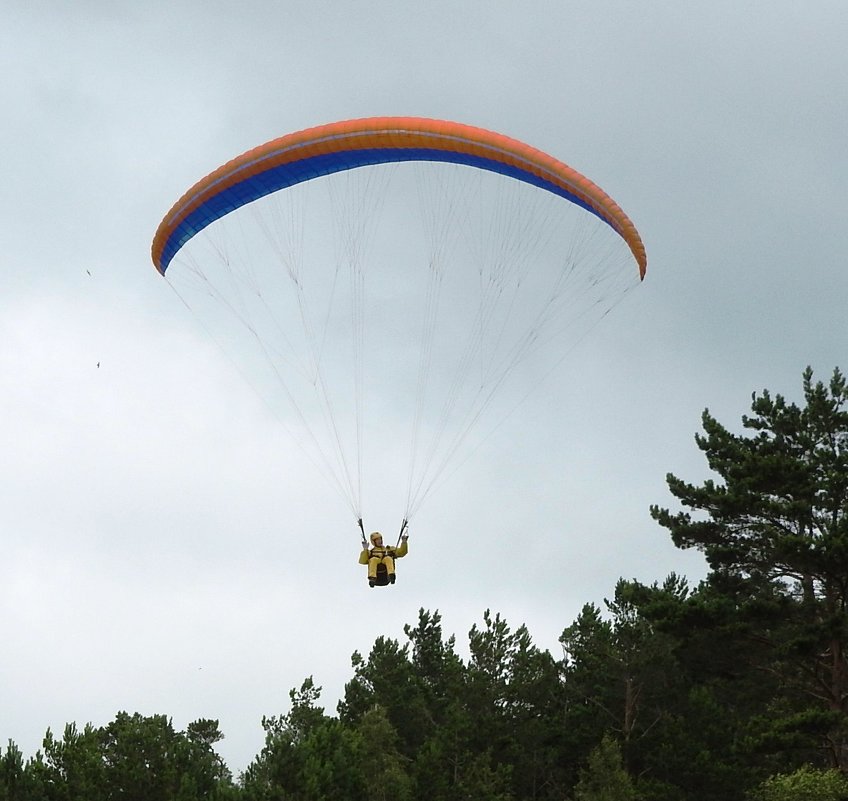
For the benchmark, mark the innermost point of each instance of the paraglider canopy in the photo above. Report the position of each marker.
(362, 267)
(340, 146)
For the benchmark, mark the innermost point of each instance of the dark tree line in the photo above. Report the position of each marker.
(732, 690)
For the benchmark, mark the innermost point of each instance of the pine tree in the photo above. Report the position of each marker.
(604, 777)
(774, 530)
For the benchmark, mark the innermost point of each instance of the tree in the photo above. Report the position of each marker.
(383, 764)
(604, 777)
(444, 721)
(11, 773)
(307, 755)
(75, 763)
(482, 780)
(387, 678)
(204, 773)
(619, 672)
(331, 766)
(804, 784)
(140, 758)
(438, 670)
(277, 771)
(774, 530)
(514, 696)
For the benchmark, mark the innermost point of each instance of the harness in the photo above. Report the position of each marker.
(382, 552)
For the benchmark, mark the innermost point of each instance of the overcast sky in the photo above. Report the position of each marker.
(165, 550)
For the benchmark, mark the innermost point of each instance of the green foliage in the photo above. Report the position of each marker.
(483, 780)
(75, 763)
(384, 766)
(775, 532)
(133, 757)
(388, 678)
(620, 673)
(11, 771)
(307, 756)
(514, 701)
(604, 777)
(804, 784)
(141, 759)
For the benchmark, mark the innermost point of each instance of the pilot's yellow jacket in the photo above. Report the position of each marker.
(385, 553)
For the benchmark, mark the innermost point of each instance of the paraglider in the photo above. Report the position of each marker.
(396, 286)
